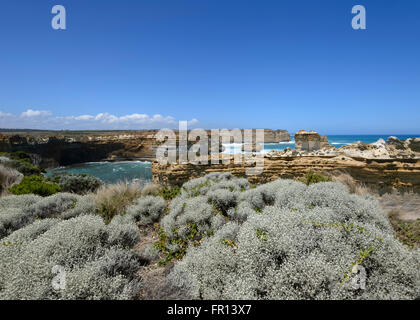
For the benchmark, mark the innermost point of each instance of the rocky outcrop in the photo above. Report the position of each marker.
(324, 143)
(310, 140)
(380, 165)
(380, 174)
(414, 144)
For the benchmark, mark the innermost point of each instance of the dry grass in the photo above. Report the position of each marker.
(113, 199)
(8, 177)
(350, 183)
(151, 190)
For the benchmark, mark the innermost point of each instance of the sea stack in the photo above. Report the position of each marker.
(310, 140)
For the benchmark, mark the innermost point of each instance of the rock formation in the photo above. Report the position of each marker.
(310, 140)
(379, 165)
(59, 148)
(380, 174)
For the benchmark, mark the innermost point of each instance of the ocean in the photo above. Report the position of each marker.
(335, 140)
(111, 172)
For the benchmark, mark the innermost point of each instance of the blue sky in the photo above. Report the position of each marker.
(221, 63)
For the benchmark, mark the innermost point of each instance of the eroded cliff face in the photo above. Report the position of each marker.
(274, 136)
(66, 148)
(60, 150)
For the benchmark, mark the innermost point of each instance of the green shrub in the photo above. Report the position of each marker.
(314, 177)
(26, 168)
(169, 193)
(22, 162)
(35, 185)
(20, 155)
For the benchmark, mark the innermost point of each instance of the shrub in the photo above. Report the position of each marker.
(201, 208)
(147, 209)
(78, 183)
(84, 206)
(114, 199)
(308, 251)
(95, 262)
(21, 162)
(36, 185)
(18, 202)
(12, 220)
(168, 193)
(314, 177)
(287, 255)
(8, 176)
(25, 209)
(53, 206)
(21, 155)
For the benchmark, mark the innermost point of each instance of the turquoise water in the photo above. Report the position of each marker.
(111, 172)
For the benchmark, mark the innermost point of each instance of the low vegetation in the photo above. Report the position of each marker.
(77, 183)
(114, 199)
(8, 177)
(408, 232)
(216, 237)
(306, 242)
(314, 177)
(35, 185)
(20, 161)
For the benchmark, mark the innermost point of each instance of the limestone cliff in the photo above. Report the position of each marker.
(274, 136)
(57, 148)
(380, 166)
(380, 174)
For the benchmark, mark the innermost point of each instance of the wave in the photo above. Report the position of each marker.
(281, 142)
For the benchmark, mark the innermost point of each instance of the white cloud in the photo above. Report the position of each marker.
(45, 120)
(35, 113)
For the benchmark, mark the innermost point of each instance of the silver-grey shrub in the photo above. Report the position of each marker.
(78, 183)
(301, 246)
(19, 202)
(19, 211)
(95, 258)
(147, 209)
(53, 206)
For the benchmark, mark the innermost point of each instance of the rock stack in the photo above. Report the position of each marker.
(310, 140)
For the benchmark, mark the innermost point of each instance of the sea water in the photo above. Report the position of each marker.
(334, 140)
(111, 172)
